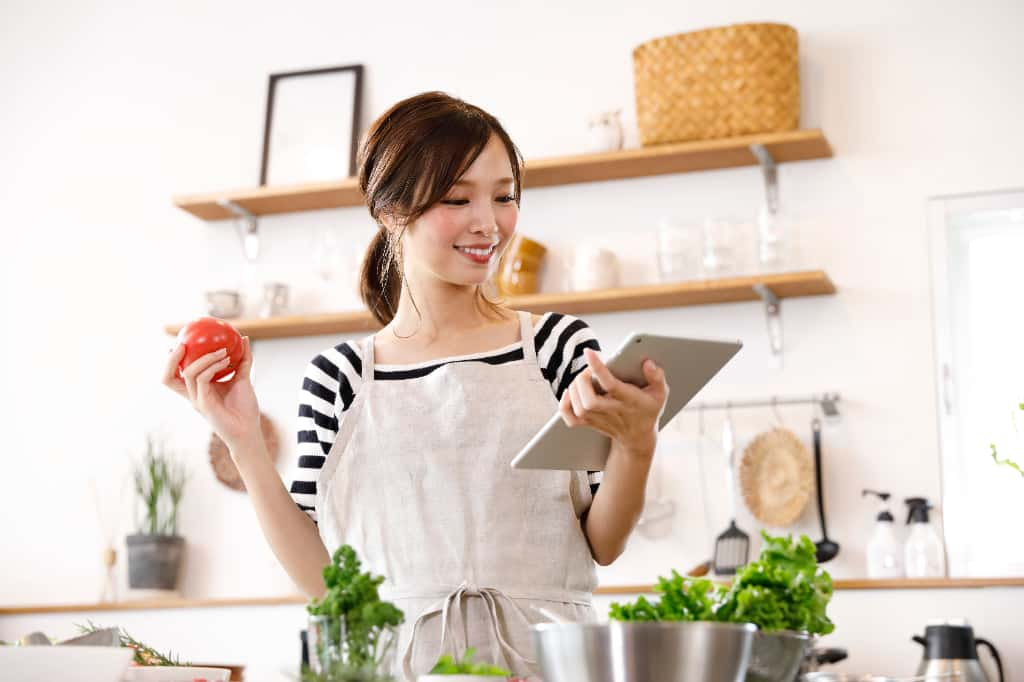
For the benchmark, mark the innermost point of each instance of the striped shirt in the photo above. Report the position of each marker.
(333, 377)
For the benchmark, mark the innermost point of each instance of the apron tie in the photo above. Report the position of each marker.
(451, 607)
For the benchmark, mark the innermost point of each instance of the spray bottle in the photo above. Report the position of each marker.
(923, 553)
(884, 550)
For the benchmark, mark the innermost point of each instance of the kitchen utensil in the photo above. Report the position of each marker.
(704, 567)
(815, 658)
(224, 303)
(825, 549)
(732, 548)
(951, 647)
(657, 508)
(643, 652)
(275, 299)
(64, 663)
(776, 656)
(776, 477)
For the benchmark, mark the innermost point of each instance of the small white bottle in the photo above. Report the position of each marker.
(884, 550)
(923, 552)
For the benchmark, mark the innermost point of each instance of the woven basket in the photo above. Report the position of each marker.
(718, 82)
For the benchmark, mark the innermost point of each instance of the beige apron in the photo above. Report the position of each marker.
(419, 483)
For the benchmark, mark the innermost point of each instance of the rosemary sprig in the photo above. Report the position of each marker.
(144, 654)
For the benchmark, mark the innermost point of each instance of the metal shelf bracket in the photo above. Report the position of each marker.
(771, 176)
(248, 229)
(773, 316)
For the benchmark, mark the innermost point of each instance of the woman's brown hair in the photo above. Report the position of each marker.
(413, 154)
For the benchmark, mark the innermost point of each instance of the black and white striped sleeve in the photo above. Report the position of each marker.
(328, 388)
(560, 342)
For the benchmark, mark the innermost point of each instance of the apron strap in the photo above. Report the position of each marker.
(368, 359)
(526, 334)
(450, 608)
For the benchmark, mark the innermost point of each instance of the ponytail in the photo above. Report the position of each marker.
(380, 282)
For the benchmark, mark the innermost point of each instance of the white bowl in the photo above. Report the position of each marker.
(64, 663)
(175, 673)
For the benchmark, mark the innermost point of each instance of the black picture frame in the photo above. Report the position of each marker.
(304, 131)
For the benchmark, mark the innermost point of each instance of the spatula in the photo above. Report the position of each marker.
(732, 548)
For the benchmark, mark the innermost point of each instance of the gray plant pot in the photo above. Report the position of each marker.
(154, 561)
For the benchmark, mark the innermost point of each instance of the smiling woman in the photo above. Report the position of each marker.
(405, 436)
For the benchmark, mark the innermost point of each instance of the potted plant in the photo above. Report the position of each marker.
(155, 551)
(450, 669)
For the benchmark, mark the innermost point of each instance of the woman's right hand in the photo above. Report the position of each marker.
(230, 407)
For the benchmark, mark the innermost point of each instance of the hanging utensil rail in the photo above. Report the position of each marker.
(827, 401)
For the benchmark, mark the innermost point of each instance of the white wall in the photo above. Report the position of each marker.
(112, 108)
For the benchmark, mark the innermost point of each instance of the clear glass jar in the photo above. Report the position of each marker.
(337, 656)
(679, 249)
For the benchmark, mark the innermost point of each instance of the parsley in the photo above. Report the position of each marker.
(352, 598)
(446, 665)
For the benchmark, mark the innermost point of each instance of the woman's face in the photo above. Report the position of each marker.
(459, 239)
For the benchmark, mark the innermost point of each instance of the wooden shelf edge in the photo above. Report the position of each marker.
(864, 584)
(795, 145)
(607, 590)
(624, 299)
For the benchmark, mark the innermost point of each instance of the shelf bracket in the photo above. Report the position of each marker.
(771, 176)
(248, 229)
(773, 316)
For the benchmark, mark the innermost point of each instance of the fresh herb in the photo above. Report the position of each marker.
(782, 590)
(144, 655)
(682, 599)
(159, 484)
(352, 599)
(446, 665)
(1006, 461)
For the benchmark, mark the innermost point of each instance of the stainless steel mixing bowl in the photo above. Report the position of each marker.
(643, 652)
(776, 656)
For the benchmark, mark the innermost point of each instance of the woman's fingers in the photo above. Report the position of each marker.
(606, 380)
(170, 377)
(590, 401)
(205, 378)
(565, 409)
(198, 366)
(246, 365)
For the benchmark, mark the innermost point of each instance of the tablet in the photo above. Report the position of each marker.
(689, 364)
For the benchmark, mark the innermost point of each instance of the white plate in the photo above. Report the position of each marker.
(64, 663)
(176, 673)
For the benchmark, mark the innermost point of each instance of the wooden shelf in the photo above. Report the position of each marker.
(703, 292)
(866, 584)
(181, 603)
(797, 145)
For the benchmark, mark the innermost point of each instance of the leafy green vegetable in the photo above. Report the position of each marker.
(446, 665)
(682, 599)
(352, 599)
(782, 590)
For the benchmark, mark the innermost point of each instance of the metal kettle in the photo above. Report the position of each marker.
(950, 648)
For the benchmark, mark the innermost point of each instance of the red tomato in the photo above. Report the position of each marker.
(207, 334)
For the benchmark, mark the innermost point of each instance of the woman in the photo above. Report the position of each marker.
(406, 436)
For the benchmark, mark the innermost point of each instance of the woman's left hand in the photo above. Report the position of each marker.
(625, 413)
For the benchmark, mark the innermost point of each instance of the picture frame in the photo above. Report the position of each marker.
(311, 130)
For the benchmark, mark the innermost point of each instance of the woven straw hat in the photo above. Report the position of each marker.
(776, 477)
